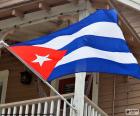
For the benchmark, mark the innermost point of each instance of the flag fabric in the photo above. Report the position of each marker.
(94, 44)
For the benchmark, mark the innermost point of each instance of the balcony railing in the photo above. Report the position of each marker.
(49, 106)
(91, 109)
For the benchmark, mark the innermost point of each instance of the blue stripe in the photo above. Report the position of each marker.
(101, 16)
(102, 43)
(95, 65)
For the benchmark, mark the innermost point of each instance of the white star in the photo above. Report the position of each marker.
(41, 59)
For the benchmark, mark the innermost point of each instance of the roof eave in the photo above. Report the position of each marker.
(131, 3)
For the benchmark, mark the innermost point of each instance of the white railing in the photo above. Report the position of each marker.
(91, 109)
(49, 106)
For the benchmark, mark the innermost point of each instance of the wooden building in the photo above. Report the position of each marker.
(105, 94)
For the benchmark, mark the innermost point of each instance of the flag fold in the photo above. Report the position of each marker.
(94, 44)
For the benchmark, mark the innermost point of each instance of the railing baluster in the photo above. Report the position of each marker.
(20, 110)
(58, 107)
(64, 109)
(27, 110)
(14, 111)
(71, 110)
(45, 108)
(33, 110)
(96, 113)
(92, 112)
(52, 108)
(9, 111)
(3, 112)
(39, 109)
(85, 109)
(89, 110)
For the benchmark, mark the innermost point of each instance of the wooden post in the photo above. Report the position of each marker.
(55, 84)
(95, 88)
(80, 82)
(79, 93)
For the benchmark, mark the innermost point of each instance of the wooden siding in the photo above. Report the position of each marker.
(16, 91)
(127, 93)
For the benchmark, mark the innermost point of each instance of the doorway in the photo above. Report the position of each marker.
(67, 85)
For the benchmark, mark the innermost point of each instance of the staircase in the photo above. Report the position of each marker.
(48, 106)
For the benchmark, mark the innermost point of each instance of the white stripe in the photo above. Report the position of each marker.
(88, 52)
(104, 29)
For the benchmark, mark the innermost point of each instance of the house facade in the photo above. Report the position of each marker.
(22, 92)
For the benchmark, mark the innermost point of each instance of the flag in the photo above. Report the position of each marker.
(94, 44)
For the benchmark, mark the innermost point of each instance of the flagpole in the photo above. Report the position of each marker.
(5, 45)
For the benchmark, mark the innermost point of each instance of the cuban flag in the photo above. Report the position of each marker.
(94, 44)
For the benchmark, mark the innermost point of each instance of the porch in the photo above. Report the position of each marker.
(111, 99)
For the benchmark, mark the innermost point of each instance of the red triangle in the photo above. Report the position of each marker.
(28, 54)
